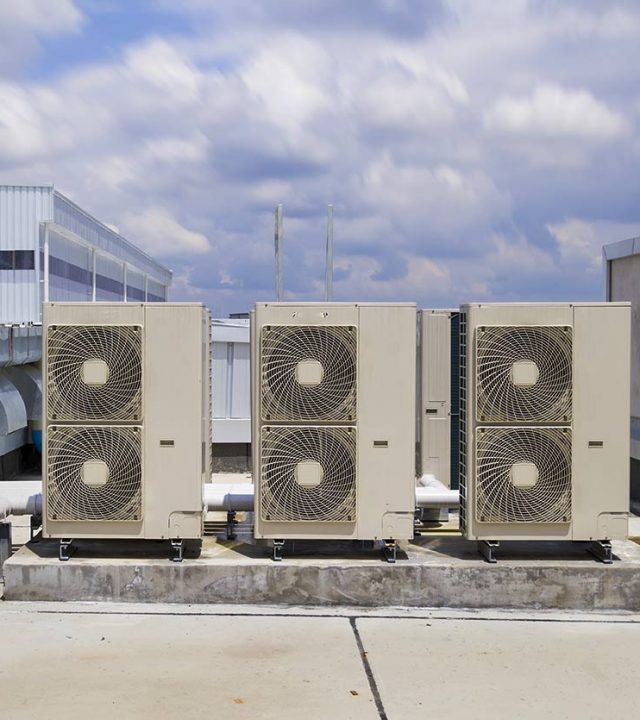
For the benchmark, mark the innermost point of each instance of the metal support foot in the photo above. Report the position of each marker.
(487, 549)
(34, 525)
(601, 549)
(390, 550)
(278, 549)
(6, 542)
(231, 525)
(66, 549)
(177, 548)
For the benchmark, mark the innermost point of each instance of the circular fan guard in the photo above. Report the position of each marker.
(498, 500)
(69, 498)
(498, 399)
(69, 347)
(333, 499)
(334, 397)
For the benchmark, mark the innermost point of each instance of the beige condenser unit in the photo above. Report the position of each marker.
(544, 423)
(437, 396)
(126, 421)
(333, 391)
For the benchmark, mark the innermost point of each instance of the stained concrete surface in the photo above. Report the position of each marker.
(505, 669)
(166, 666)
(97, 660)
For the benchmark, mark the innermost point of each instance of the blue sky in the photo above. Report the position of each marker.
(473, 149)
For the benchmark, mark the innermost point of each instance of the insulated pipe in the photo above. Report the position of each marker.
(24, 498)
(430, 497)
(21, 502)
(430, 492)
(228, 496)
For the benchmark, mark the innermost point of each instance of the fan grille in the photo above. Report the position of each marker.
(70, 348)
(284, 499)
(499, 399)
(333, 351)
(70, 498)
(498, 500)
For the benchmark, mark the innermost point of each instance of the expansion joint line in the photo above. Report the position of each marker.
(368, 670)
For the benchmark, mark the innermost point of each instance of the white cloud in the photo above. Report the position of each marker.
(551, 111)
(158, 233)
(581, 241)
(24, 22)
(417, 137)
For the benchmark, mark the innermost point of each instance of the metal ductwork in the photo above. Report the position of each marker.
(20, 344)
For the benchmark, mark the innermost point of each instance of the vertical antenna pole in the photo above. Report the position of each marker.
(278, 247)
(328, 280)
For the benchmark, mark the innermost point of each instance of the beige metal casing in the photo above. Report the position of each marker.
(434, 424)
(598, 427)
(175, 427)
(384, 425)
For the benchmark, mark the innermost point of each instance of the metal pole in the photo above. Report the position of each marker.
(46, 263)
(328, 280)
(124, 277)
(93, 276)
(278, 247)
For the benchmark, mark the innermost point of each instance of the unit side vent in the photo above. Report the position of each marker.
(523, 374)
(309, 373)
(94, 373)
(523, 475)
(308, 474)
(94, 473)
(462, 407)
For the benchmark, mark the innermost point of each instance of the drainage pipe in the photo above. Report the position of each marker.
(25, 498)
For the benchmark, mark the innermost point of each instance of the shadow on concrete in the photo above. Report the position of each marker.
(47, 549)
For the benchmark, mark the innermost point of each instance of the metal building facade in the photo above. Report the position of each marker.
(51, 249)
(231, 383)
(621, 266)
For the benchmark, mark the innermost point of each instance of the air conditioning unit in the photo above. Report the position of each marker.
(126, 422)
(438, 374)
(333, 395)
(544, 423)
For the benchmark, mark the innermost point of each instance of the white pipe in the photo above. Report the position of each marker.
(24, 498)
(20, 498)
(430, 497)
(228, 496)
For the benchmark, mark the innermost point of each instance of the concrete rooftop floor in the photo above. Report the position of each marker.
(72, 661)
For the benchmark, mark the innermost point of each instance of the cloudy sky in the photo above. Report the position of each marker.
(473, 149)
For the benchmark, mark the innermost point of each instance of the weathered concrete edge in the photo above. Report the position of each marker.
(597, 587)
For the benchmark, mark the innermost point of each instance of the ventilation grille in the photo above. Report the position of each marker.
(462, 468)
(94, 473)
(309, 373)
(544, 393)
(541, 452)
(308, 474)
(94, 373)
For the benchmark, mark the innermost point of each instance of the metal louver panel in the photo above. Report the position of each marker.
(94, 473)
(328, 355)
(545, 352)
(544, 456)
(330, 453)
(113, 353)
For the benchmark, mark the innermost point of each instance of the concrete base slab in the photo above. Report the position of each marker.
(432, 571)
